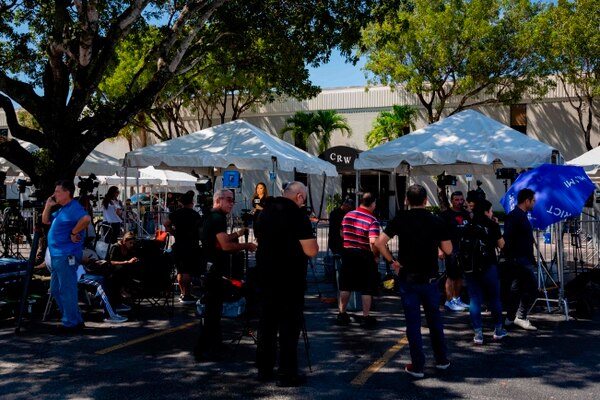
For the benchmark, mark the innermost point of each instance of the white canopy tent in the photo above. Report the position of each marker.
(99, 163)
(96, 163)
(590, 161)
(236, 144)
(466, 142)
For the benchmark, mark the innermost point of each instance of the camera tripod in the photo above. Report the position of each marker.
(247, 330)
(13, 229)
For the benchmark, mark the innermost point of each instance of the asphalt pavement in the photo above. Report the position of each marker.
(149, 357)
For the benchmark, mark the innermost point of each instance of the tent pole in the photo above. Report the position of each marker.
(322, 196)
(356, 186)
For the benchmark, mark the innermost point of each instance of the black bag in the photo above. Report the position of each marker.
(473, 253)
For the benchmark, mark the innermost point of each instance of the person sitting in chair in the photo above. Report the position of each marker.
(125, 263)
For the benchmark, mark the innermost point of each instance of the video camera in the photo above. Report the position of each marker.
(87, 185)
(22, 184)
(446, 180)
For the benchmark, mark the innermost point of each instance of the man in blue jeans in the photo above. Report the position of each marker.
(65, 243)
(421, 238)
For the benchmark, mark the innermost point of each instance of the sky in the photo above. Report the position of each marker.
(337, 73)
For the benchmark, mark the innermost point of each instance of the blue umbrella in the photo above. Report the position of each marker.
(560, 192)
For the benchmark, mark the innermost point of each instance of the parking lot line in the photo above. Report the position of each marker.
(145, 338)
(379, 363)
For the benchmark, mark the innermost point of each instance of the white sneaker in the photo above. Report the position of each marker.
(452, 306)
(525, 324)
(458, 302)
(116, 319)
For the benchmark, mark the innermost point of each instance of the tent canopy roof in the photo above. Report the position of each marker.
(95, 163)
(237, 142)
(590, 161)
(465, 142)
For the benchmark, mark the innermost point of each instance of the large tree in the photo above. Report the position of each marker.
(568, 38)
(453, 53)
(56, 54)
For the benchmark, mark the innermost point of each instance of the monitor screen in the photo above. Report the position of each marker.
(231, 179)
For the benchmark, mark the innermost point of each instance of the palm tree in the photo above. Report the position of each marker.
(301, 127)
(326, 122)
(391, 125)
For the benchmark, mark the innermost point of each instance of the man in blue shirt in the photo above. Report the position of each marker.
(65, 243)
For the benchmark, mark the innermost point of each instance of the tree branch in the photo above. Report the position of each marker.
(17, 130)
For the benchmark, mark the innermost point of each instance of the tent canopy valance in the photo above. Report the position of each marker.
(237, 142)
(467, 142)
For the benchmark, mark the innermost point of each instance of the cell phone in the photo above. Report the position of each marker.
(53, 198)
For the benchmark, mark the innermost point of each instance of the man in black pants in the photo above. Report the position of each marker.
(218, 245)
(421, 238)
(285, 241)
(184, 223)
(518, 250)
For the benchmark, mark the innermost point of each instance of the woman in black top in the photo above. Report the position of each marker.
(484, 279)
(259, 199)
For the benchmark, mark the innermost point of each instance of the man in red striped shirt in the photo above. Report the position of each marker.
(360, 259)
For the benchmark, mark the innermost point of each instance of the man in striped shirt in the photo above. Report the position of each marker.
(360, 259)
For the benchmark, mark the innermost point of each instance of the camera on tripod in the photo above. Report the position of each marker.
(446, 180)
(87, 186)
(22, 184)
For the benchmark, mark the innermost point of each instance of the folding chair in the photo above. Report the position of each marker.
(154, 284)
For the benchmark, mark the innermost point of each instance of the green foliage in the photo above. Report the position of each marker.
(471, 51)
(333, 202)
(567, 37)
(325, 123)
(321, 124)
(83, 70)
(391, 125)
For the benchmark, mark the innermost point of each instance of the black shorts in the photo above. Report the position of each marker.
(453, 269)
(188, 259)
(359, 272)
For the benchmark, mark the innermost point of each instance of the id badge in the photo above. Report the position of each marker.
(71, 260)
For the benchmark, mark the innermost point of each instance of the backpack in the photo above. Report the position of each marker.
(473, 253)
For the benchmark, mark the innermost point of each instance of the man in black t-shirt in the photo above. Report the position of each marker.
(217, 245)
(421, 237)
(456, 218)
(518, 250)
(184, 223)
(285, 241)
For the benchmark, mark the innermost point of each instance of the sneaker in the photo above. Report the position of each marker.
(499, 333)
(410, 369)
(478, 338)
(122, 308)
(116, 319)
(368, 322)
(452, 306)
(525, 324)
(459, 303)
(443, 364)
(343, 319)
(187, 299)
(508, 322)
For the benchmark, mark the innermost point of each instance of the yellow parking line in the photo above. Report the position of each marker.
(378, 364)
(145, 338)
